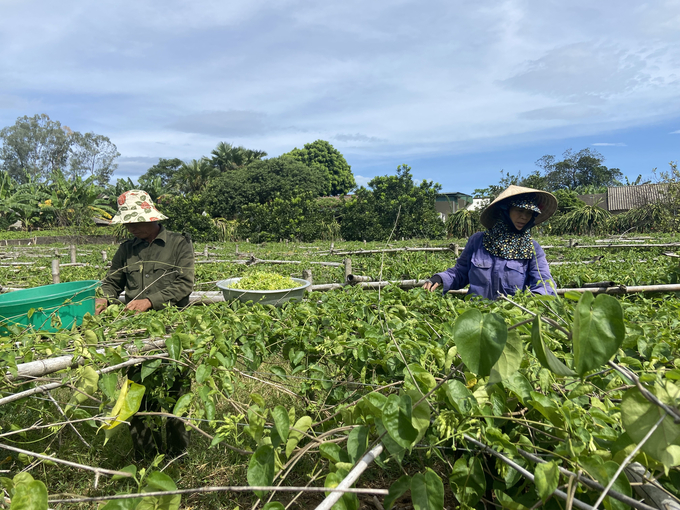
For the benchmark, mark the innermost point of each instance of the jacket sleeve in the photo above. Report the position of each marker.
(539, 279)
(457, 277)
(115, 279)
(183, 283)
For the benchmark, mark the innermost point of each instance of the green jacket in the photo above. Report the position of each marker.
(162, 272)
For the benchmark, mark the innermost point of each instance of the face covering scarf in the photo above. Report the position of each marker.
(503, 240)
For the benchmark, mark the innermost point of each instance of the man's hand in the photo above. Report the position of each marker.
(430, 286)
(100, 305)
(139, 305)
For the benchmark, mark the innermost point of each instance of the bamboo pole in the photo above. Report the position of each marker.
(55, 271)
(73, 253)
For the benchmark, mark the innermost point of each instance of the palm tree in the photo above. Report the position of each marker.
(227, 157)
(193, 176)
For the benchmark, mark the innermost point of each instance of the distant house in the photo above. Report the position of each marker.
(620, 199)
(449, 203)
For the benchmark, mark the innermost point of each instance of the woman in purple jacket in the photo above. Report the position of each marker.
(504, 259)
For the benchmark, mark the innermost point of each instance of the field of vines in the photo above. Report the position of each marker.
(387, 398)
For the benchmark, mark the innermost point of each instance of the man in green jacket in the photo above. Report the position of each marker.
(156, 269)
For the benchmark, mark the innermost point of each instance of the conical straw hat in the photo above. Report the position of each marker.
(135, 206)
(546, 202)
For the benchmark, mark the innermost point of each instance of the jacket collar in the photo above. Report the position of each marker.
(161, 237)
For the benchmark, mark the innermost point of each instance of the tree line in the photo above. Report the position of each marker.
(51, 176)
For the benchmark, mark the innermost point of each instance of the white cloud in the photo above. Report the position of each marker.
(383, 81)
(362, 181)
(606, 144)
(675, 132)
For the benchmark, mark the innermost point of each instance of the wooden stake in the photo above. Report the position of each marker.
(307, 275)
(205, 251)
(73, 253)
(348, 267)
(55, 271)
(104, 256)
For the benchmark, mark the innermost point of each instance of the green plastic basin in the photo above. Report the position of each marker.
(67, 302)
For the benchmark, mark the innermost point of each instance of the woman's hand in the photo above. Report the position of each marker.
(430, 286)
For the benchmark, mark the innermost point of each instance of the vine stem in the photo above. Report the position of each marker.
(51, 386)
(547, 320)
(197, 429)
(235, 488)
(66, 417)
(560, 494)
(645, 392)
(96, 470)
(591, 483)
(629, 458)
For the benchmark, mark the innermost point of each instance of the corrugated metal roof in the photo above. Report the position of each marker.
(624, 198)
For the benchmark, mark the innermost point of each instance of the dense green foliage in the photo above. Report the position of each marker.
(393, 207)
(261, 182)
(185, 214)
(298, 217)
(463, 223)
(318, 383)
(322, 154)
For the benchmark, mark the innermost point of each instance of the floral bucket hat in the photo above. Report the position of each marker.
(135, 206)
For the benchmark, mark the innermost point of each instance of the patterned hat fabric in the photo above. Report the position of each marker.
(135, 206)
(526, 203)
(544, 201)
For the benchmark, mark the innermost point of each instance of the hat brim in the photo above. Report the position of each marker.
(119, 218)
(546, 202)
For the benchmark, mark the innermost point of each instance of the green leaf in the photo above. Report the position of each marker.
(547, 477)
(460, 398)
(347, 501)
(155, 328)
(277, 370)
(261, 468)
(468, 481)
(480, 340)
(156, 481)
(598, 331)
(182, 404)
(132, 469)
(423, 379)
(174, 347)
(639, 416)
(87, 384)
(330, 451)
(29, 496)
(357, 442)
(302, 425)
(203, 372)
(427, 491)
(603, 472)
(274, 505)
(129, 400)
(397, 490)
(108, 384)
(257, 398)
(510, 359)
(208, 402)
(281, 423)
(149, 367)
(545, 355)
(396, 418)
(122, 504)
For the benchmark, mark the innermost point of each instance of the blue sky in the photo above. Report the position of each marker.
(458, 90)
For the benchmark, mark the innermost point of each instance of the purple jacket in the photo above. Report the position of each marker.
(488, 274)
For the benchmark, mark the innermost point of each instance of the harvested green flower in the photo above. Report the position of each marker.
(261, 280)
